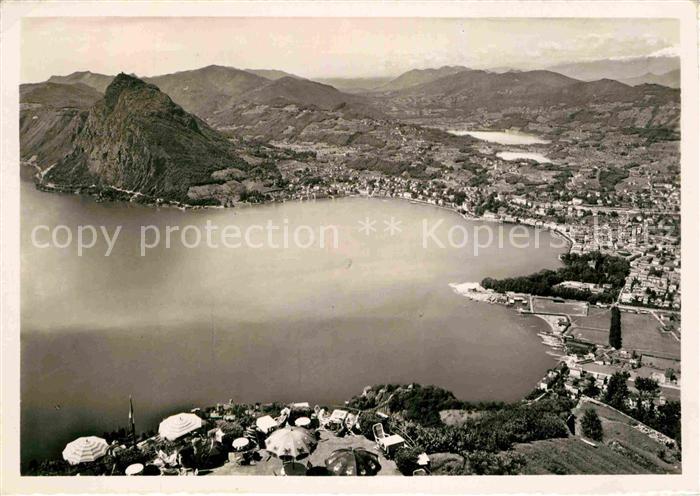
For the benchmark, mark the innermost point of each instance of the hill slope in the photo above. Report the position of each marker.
(271, 74)
(57, 95)
(417, 77)
(96, 81)
(300, 91)
(208, 90)
(50, 117)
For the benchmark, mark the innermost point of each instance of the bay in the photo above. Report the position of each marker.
(184, 327)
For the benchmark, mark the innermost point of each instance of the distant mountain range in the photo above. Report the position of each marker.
(619, 69)
(469, 90)
(672, 79)
(211, 92)
(213, 89)
(161, 135)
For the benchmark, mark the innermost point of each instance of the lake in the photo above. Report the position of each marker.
(182, 327)
(502, 137)
(537, 157)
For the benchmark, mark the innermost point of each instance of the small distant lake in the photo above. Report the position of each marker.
(502, 137)
(538, 157)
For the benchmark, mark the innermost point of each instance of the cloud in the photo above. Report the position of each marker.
(672, 51)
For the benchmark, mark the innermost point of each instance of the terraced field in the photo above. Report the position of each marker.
(573, 456)
(624, 450)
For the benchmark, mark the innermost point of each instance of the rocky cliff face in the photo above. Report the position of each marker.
(137, 139)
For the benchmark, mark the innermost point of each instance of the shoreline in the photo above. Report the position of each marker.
(158, 202)
(552, 339)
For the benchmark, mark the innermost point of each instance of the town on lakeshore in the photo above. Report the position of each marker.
(587, 148)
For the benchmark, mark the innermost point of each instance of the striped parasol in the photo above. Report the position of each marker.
(178, 425)
(291, 442)
(353, 461)
(85, 449)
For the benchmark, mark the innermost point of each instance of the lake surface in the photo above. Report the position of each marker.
(183, 327)
(537, 157)
(502, 137)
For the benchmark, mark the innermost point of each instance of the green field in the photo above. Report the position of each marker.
(640, 332)
(589, 335)
(567, 307)
(597, 318)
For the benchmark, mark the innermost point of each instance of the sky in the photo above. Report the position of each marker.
(329, 47)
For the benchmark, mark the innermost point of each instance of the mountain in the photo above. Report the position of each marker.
(619, 69)
(355, 85)
(417, 77)
(312, 99)
(208, 90)
(97, 81)
(51, 115)
(137, 139)
(271, 73)
(671, 79)
(58, 95)
(300, 91)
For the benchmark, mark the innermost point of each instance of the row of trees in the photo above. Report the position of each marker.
(595, 268)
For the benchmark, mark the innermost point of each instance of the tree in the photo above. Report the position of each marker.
(617, 391)
(591, 425)
(670, 374)
(648, 388)
(590, 388)
(615, 338)
(668, 420)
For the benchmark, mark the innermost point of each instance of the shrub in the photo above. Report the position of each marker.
(485, 463)
(232, 428)
(367, 420)
(591, 425)
(423, 404)
(407, 460)
(126, 457)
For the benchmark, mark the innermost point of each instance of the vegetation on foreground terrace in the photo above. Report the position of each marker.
(488, 438)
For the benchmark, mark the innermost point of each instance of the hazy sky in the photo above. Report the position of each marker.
(328, 47)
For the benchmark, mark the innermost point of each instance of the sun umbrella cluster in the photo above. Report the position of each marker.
(178, 425)
(353, 461)
(85, 449)
(291, 443)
